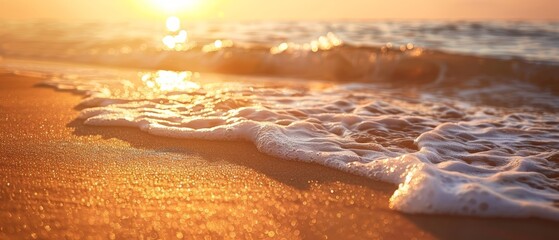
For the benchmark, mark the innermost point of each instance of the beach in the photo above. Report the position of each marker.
(64, 179)
(191, 119)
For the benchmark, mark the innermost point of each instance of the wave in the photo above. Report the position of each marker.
(405, 65)
(452, 54)
(459, 134)
(447, 156)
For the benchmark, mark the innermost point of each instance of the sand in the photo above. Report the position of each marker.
(62, 179)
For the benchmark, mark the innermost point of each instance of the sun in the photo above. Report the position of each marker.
(173, 6)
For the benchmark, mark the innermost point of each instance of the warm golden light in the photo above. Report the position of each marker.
(176, 42)
(279, 10)
(322, 43)
(173, 24)
(172, 6)
(176, 39)
(217, 45)
(167, 81)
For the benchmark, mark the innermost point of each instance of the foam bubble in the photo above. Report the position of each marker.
(446, 156)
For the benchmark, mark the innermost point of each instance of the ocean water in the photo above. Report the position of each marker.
(462, 116)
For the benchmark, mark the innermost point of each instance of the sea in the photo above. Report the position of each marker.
(463, 116)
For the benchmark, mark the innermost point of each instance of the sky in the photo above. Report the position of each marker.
(280, 9)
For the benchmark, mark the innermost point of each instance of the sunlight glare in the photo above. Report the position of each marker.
(167, 81)
(173, 24)
(172, 6)
(217, 45)
(176, 39)
(323, 43)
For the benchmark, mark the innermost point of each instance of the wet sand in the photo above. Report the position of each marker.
(62, 179)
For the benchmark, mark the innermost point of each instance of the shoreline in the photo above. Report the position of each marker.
(64, 179)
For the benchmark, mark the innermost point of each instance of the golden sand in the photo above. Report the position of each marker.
(62, 179)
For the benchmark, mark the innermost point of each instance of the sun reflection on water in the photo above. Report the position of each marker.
(177, 38)
(323, 43)
(217, 45)
(168, 81)
(173, 24)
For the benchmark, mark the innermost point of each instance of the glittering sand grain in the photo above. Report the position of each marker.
(62, 179)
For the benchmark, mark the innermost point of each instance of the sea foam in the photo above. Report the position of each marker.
(446, 156)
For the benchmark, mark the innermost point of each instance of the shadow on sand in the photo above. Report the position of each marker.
(300, 175)
(295, 174)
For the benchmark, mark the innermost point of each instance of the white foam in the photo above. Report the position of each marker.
(446, 159)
